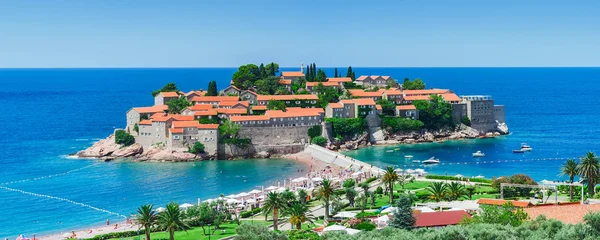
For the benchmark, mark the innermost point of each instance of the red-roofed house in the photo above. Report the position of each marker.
(289, 100)
(134, 115)
(379, 81)
(293, 76)
(407, 111)
(351, 108)
(359, 93)
(189, 111)
(440, 219)
(163, 98)
(184, 134)
(311, 85)
(248, 96)
(213, 100)
(231, 91)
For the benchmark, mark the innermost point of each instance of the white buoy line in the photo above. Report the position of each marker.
(49, 176)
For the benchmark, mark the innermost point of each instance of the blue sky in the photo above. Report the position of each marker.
(224, 33)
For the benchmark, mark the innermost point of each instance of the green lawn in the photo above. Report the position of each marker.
(196, 233)
(413, 185)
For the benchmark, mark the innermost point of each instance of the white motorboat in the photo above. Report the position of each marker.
(389, 151)
(478, 154)
(408, 156)
(525, 147)
(432, 160)
(416, 161)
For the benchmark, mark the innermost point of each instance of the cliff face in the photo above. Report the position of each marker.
(107, 149)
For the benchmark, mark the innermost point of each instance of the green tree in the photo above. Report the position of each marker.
(123, 138)
(328, 95)
(276, 105)
(470, 190)
(212, 89)
(325, 193)
(248, 231)
(321, 76)
(245, 76)
(435, 113)
(416, 84)
(175, 106)
(389, 179)
(437, 191)
(569, 169)
(146, 217)
(335, 73)
(197, 148)
(272, 68)
(349, 183)
(171, 219)
(229, 129)
(507, 214)
(268, 85)
(302, 195)
(347, 127)
(314, 131)
(273, 204)
(351, 74)
(403, 216)
(365, 187)
(319, 140)
(136, 128)
(169, 87)
(588, 169)
(262, 70)
(350, 195)
(387, 107)
(455, 191)
(299, 213)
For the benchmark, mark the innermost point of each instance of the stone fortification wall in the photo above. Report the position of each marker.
(227, 151)
(275, 135)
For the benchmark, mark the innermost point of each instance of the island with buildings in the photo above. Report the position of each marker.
(264, 112)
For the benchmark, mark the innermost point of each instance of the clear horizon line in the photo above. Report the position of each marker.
(190, 67)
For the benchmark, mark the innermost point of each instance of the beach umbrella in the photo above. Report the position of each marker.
(382, 220)
(271, 188)
(546, 182)
(254, 191)
(419, 170)
(345, 215)
(317, 179)
(230, 196)
(297, 180)
(389, 210)
(160, 209)
(425, 209)
(232, 201)
(334, 228)
(241, 206)
(251, 201)
(281, 189)
(352, 231)
(243, 194)
(410, 171)
(458, 176)
(480, 176)
(397, 170)
(185, 205)
(65, 235)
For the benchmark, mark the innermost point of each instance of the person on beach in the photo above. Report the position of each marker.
(107, 222)
(116, 226)
(73, 234)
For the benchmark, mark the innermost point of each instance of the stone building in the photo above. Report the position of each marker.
(293, 76)
(134, 115)
(351, 108)
(359, 93)
(248, 96)
(191, 94)
(277, 118)
(184, 134)
(499, 113)
(163, 98)
(301, 100)
(407, 111)
(480, 110)
(287, 84)
(311, 85)
(373, 80)
(214, 100)
(231, 91)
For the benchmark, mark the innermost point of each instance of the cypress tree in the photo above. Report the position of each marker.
(212, 89)
(262, 71)
(335, 74)
(272, 69)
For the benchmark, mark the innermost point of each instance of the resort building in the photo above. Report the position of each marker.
(134, 115)
(301, 100)
(287, 84)
(311, 85)
(213, 100)
(163, 97)
(481, 112)
(440, 219)
(379, 81)
(407, 111)
(191, 94)
(394, 96)
(277, 118)
(340, 80)
(189, 111)
(231, 91)
(359, 93)
(183, 134)
(293, 76)
(249, 96)
(351, 108)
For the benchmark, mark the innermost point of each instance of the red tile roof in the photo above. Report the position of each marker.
(183, 117)
(340, 79)
(200, 107)
(285, 82)
(451, 97)
(208, 126)
(500, 202)
(313, 110)
(233, 103)
(440, 219)
(362, 78)
(249, 118)
(325, 84)
(362, 93)
(347, 101)
(364, 101)
(292, 74)
(282, 114)
(210, 112)
(184, 124)
(287, 97)
(153, 109)
(255, 107)
(215, 98)
(176, 130)
(393, 92)
(418, 97)
(406, 107)
(232, 111)
(146, 122)
(336, 105)
(378, 107)
(169, 94)
(425, 92)
(570, 213)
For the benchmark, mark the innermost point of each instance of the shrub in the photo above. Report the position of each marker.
(366, 214)
(136, 128)
(314, 131)
(379, 190)
(303, 234)
(440, 177)
(365, 226)
(248, 231)
(197, 148)
(466, 121)
(318, 140)
(347, 127)
(371, 179)
(250, 213)
(123, 138)
(207, 120)
(114, 235)
(400, 124)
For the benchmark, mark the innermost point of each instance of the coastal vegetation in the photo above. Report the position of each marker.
(416, 84)
(347, 127)
(212, 89)
(388, 108)
(171, 219)
(122, 137)
(274, 202)
(512, 192)
(589, 170)
(319, 140)
(400, 124)
(569, 169)
(198, 147)
(389, 178)
(276, 105)
(435, 113)
(175, 106)
(264, 78)
(169, 87)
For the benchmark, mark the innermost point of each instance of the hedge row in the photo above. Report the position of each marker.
(440, 177)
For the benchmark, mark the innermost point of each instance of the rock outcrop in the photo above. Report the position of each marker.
(502, 128)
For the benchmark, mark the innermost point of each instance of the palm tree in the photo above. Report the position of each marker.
(364, 186)
(171, 219)
(146, 216)
(389, 178)
(299, 213)
(470, 191)
(273, 204)
(569, 169)
(437, 190)
(302, 195)
(455, 190)
(588, 168)
(325, 192)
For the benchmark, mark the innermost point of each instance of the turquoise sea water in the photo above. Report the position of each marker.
(49, 113)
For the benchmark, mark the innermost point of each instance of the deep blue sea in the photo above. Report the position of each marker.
(49, 113)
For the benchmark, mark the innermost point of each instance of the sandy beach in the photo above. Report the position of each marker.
(93, 231)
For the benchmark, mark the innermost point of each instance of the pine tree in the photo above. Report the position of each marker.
(350, 73)
(212, 89)
(272, 69)
(263, 72)
(335, 74)
(403, 217)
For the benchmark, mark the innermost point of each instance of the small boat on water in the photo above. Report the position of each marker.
(416, 161)
(478, 154)
(518, 151)
(432, 160)
(408, 156)
(525, 147)
(397, 149)
(389, 151)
